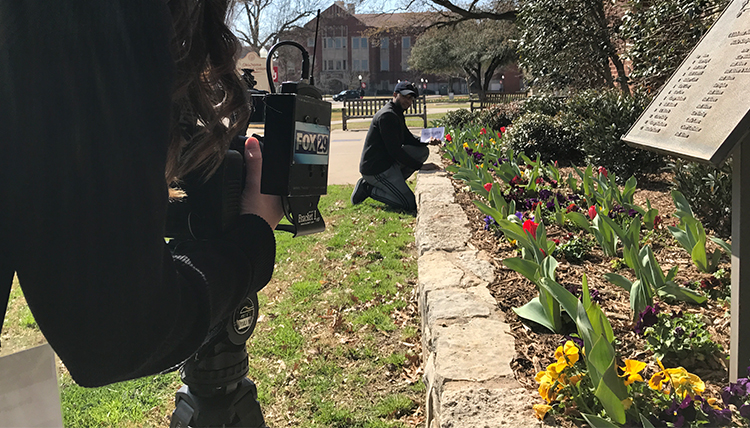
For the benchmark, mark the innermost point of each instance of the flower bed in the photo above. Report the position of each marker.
(622, 277)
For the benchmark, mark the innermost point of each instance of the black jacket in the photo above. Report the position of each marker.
(387, 134)
(84, 125)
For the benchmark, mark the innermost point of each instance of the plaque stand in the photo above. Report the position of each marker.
(739, 352)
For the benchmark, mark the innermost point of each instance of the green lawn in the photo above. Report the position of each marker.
(337, 342)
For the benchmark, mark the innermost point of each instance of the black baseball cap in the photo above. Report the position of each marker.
(406, 88)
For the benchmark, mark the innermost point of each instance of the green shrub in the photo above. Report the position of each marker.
(537, 133)
(709, 192)
(500, 115)
(598, 119)
(457, 119)
(549, 105)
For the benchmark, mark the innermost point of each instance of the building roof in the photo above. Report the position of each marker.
(395, 20)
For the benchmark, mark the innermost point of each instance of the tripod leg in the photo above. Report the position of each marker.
(183, 411)
(238, 408)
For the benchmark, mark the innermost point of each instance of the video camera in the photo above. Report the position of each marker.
(295, 148)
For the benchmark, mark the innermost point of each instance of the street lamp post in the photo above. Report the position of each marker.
(361, 90)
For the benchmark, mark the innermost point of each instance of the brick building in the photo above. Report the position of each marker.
(373, 50)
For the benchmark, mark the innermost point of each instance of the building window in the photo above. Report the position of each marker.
(355, 42)
(355, 65)
(344, 64)
(384, 64)
(331, 43)
(338, 65)
(364, 65)
(310, 42)
(384, 43)
(338, 42)
(330, 64)
(343, 42)
(405, 52)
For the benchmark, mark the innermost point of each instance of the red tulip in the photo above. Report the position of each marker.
(603, 171)
(530, 227)
(488, 186)
(483, 131)
(592, 212)
(448, 138)
(499, 135)
(502, 129)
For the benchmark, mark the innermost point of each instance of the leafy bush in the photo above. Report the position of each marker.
(500, 115)
(537, 133)
(549, 105)
(709, 192)
(598, 119)
(457, 119)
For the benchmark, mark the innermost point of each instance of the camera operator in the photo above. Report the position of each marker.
(94, 99)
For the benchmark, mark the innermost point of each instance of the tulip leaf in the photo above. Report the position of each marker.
(596, 421)
(549, 264)
(674, 291)
(699, 256)
(534, 311)
(619, 281)
(682, 205)
(681, 236)
(527, 268)
(478, 188)
(640, 297)
(645, 422)
(721, 243)
(579, 220)
(495, 214)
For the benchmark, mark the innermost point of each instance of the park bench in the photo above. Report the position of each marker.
(366, 108)
(491, 98)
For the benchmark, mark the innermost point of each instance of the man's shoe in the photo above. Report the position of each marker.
(361, 191)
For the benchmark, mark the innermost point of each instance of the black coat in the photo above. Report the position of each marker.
(384, 141)
(85, 105)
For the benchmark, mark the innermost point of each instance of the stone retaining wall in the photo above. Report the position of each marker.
(467, 346)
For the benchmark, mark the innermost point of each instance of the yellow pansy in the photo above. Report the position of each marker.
(555, 369)
(684, 383)
(540, 410)
(632, 369)
(712, 402)
(492, 140)
(466, 145)
(544, 391)
(567, 353)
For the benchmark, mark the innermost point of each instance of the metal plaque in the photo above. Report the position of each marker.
(701, 113)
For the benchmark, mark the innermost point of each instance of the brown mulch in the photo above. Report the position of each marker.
(535, 346)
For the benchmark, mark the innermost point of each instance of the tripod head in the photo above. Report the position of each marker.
(217, 392)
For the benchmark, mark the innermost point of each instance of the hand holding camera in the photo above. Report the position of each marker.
(252, 201)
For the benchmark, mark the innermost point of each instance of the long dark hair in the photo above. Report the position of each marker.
(208, 100)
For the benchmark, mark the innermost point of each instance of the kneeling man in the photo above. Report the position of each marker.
(391, 154)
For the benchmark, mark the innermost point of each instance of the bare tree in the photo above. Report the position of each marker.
(267, 20)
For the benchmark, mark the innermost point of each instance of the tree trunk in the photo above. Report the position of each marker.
(622, 77)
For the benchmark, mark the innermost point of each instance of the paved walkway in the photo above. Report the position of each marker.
(346, 148)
